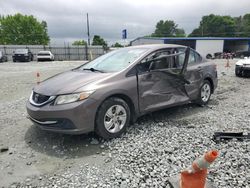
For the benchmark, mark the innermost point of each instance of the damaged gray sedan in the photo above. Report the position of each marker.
(106, 94)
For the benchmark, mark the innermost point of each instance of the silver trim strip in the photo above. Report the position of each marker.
(36, 104)
(42, 122)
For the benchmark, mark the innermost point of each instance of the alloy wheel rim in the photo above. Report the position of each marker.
(205, 92)
(115, 118)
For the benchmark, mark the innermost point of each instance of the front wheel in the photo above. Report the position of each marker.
(238, 72)
(112, 118)
(205, 93)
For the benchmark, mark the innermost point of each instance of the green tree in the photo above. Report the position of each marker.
(117, 45)
(215, 26)
(98, 41)
(180, 33)
(245, 31)
(79, 43)
(22, 29)
(167, 28)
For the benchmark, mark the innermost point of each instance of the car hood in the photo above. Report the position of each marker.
(68, 82)
(243, 62)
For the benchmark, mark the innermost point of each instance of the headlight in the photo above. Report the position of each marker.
(64, 99)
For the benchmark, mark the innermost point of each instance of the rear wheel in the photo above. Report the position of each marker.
(238, 72)
(5, 59)
(205, 93)
(112, 118)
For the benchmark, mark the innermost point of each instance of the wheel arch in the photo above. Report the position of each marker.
(211, 82)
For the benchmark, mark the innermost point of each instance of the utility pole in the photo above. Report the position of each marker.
(88, 29)
(202, 33)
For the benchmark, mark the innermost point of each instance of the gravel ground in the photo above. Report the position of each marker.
(155, 148)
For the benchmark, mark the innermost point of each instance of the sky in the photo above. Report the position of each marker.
(66, 19)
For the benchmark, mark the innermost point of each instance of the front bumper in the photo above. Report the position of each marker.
(20, 58)
(72, 118)
(243, 68)
(44, 58)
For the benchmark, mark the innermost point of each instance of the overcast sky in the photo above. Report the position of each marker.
(66, 19)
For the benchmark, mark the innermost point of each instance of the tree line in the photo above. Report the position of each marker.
(23, 29)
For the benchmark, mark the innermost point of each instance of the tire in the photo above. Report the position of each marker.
(5, 59)
(238, 73)
(205, 93)
(112, 118)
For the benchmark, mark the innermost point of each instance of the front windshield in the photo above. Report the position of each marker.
(115, 61)
(21, 51)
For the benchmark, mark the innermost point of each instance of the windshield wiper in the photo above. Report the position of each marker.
(93, 70)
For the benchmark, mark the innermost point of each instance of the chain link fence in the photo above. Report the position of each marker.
(60, 53)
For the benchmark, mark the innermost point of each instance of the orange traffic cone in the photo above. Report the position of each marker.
(195, 176)
(38, 78)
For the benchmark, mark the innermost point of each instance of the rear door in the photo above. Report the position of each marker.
(194, 74)
(161, 84)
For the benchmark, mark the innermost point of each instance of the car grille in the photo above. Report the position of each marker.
(39, 98)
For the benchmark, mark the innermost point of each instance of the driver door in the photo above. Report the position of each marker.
(160, 80)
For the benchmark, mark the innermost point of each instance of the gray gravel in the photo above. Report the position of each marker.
(155, 148)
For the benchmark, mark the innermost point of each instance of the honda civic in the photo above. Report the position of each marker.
(107, 94)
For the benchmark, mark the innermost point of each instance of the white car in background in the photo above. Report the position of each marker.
(45, 56)
(242, 67)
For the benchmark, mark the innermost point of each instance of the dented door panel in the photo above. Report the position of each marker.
(158, 89)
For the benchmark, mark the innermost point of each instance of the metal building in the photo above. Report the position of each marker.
(204, 45)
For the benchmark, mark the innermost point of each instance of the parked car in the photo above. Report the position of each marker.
(221, 55)
(45, 56)
(22, 55)
(3, 58)
(242, 67)
(242, 54)
(106, 94)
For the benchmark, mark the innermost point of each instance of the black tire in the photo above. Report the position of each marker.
(238, 72)
(5, 59)
(200, 100)
(100, 128)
